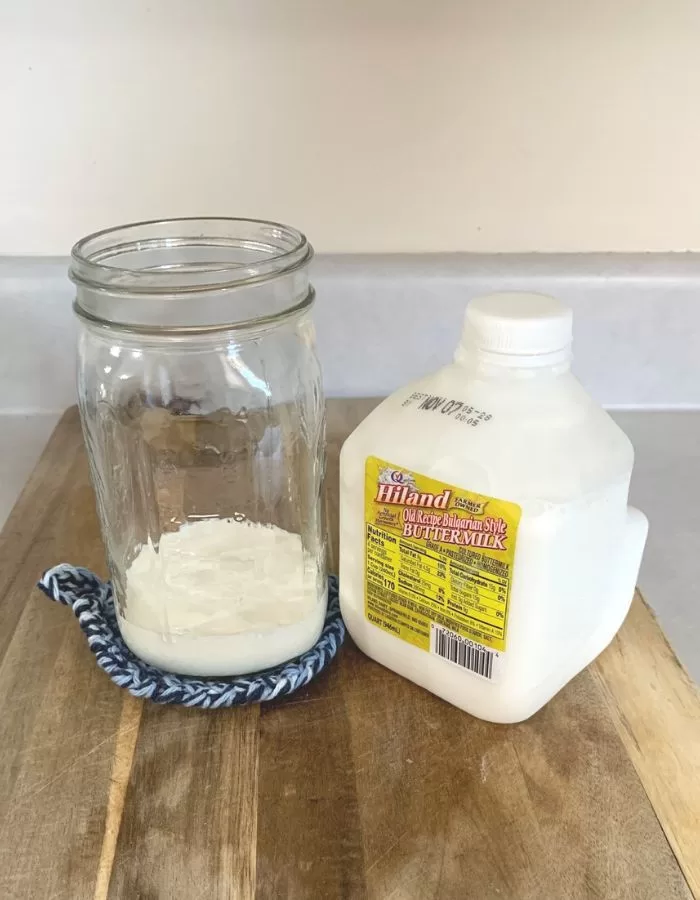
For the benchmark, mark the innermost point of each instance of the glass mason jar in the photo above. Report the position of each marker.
(203, 414)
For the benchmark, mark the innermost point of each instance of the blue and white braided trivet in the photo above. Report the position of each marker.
(92, 602)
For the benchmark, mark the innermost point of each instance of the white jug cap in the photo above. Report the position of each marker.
(518, 324)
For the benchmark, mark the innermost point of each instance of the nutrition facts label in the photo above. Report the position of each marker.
(438, 564)
(449, 591)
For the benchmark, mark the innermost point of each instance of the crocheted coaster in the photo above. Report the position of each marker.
(92, 602)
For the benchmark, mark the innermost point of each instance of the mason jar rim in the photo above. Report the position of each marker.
(88, 254)
(177, 258)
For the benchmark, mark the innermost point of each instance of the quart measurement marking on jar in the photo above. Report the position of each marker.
(456, 409)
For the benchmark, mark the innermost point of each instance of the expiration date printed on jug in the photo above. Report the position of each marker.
(438, 565)
(458, 410)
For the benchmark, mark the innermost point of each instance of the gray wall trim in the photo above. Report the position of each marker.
(385, 320)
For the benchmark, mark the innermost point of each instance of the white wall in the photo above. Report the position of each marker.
(375, 125)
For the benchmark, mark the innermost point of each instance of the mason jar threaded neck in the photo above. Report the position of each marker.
(192, 274)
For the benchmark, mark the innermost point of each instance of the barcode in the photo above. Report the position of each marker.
(462, 652)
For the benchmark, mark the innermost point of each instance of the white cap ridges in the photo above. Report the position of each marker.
(517, 329)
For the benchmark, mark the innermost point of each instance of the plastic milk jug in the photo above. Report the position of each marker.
(487, 551)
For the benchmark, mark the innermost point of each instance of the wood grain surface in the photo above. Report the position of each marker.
(360, 786)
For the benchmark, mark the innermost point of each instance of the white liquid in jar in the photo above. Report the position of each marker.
(219, 597)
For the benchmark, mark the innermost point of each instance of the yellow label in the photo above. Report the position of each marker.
(438, 564)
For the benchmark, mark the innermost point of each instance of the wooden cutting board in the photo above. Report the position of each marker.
(362, 785)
